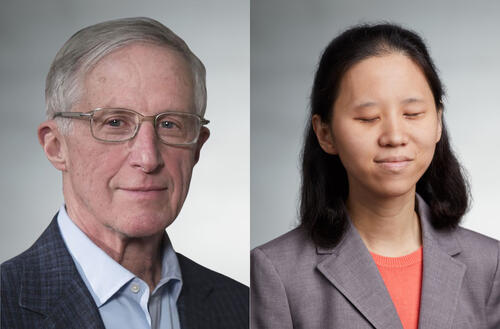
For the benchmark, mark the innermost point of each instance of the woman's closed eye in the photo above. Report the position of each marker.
(413, 115)
(367, 119)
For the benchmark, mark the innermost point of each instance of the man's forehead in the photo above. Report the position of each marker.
(141, 70)
(148, 58)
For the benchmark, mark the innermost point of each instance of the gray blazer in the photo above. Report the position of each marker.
(294, 284)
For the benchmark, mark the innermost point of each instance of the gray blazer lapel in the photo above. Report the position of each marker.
(442, 275)
(351, 269)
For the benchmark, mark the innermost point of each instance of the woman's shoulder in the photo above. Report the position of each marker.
(470, 247)
(295, 239)
(295, 246)
(478, 248)
(475, 241)
(479, 253)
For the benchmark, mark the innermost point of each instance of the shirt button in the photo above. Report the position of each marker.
(135, 288)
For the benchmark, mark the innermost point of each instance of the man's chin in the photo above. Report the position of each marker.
(140, 227)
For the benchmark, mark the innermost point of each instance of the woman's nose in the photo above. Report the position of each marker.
(393, 133)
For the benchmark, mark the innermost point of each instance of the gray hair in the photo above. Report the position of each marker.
(86, 47)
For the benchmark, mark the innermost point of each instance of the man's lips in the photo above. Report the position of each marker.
(145, 192)
(144, 188)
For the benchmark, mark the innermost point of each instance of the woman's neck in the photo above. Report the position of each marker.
(389, 226)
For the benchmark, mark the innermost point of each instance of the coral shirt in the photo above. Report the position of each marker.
(403, 278)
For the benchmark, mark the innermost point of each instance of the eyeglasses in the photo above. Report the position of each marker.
(119, 125)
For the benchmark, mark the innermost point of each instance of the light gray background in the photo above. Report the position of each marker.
(213, 227)
(287, 38)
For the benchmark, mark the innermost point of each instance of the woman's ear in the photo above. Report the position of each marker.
(53, 144)
(324, 135)
(439, 125)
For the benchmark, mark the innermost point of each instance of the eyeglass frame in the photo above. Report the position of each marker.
(153, 118)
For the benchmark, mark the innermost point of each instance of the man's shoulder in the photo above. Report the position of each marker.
(13, 289)
(47, 263)
(32, 254)
(35, 287)
(211, 299)
(15, 263)
(193, 272)
(10, 271)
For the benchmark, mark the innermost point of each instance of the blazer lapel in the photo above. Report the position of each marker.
(442, 274)
(192, 309)
(192, 304)
(52, 286)
(351, 269)
(74, 311)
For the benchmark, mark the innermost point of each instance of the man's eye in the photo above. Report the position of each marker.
(114, 122)
(168, 125)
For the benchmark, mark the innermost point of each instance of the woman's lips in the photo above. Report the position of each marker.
(394, 164)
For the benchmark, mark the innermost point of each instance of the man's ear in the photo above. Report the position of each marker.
(202, 138)
(53, 144)
(324, 135)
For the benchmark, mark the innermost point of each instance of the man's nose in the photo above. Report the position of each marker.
(145, 149)
(393, 132)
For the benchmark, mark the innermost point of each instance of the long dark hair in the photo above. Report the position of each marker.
(324, 179)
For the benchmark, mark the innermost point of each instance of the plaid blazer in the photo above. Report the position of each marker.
(41, 288)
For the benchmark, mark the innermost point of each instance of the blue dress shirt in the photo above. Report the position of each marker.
(123, 299)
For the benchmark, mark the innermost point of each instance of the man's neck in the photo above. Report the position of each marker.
(141, 256)
(388, 226)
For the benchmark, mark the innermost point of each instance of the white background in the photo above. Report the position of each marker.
(213, 227)
(287, 38)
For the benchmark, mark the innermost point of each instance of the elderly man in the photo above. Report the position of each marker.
(125, 105)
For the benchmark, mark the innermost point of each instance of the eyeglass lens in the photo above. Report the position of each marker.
(119, 125)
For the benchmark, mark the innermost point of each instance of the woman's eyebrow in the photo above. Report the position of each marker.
(412, 100)
(364, 105)
(369, 104)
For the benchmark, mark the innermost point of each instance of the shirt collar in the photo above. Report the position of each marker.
(171, 270)
(101, 273)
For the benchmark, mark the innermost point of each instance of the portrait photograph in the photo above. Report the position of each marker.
(287, 39)
(278, 164)
(216, 212)
(125, 191)
(374, 179)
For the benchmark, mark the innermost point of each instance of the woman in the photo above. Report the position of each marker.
(379, 244)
